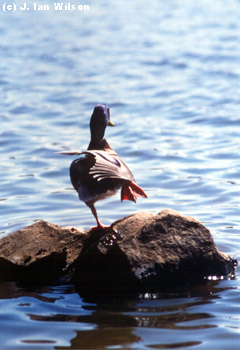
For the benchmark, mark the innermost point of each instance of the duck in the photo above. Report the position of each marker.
(99, 172)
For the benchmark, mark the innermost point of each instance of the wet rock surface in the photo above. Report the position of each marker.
(142, 250)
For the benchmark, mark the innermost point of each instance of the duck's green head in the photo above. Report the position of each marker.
(100, 118)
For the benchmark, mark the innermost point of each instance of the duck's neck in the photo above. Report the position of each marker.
(97, 139)
(100, 145)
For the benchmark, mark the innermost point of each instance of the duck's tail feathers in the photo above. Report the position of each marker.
(131, 191)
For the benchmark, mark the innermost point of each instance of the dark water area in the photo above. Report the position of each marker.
(169, 72)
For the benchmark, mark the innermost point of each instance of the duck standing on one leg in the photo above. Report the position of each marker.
(99, 172)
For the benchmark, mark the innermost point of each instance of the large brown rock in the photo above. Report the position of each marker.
(146, 250)
(142, 250)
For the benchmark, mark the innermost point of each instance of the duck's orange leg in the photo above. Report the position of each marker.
(99, 224)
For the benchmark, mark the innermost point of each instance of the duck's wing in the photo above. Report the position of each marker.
(108, 165)
(69, 153)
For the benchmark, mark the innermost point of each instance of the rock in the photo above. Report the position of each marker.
(39, 252)
(140, 251)
(146, 250)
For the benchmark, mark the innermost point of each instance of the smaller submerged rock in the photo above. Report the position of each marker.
(39, 253)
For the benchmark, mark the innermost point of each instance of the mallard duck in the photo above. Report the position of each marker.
(99, 172)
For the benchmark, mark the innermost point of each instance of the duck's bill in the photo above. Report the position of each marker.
(110, 123)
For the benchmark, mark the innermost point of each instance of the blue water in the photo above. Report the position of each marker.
(169, 71)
